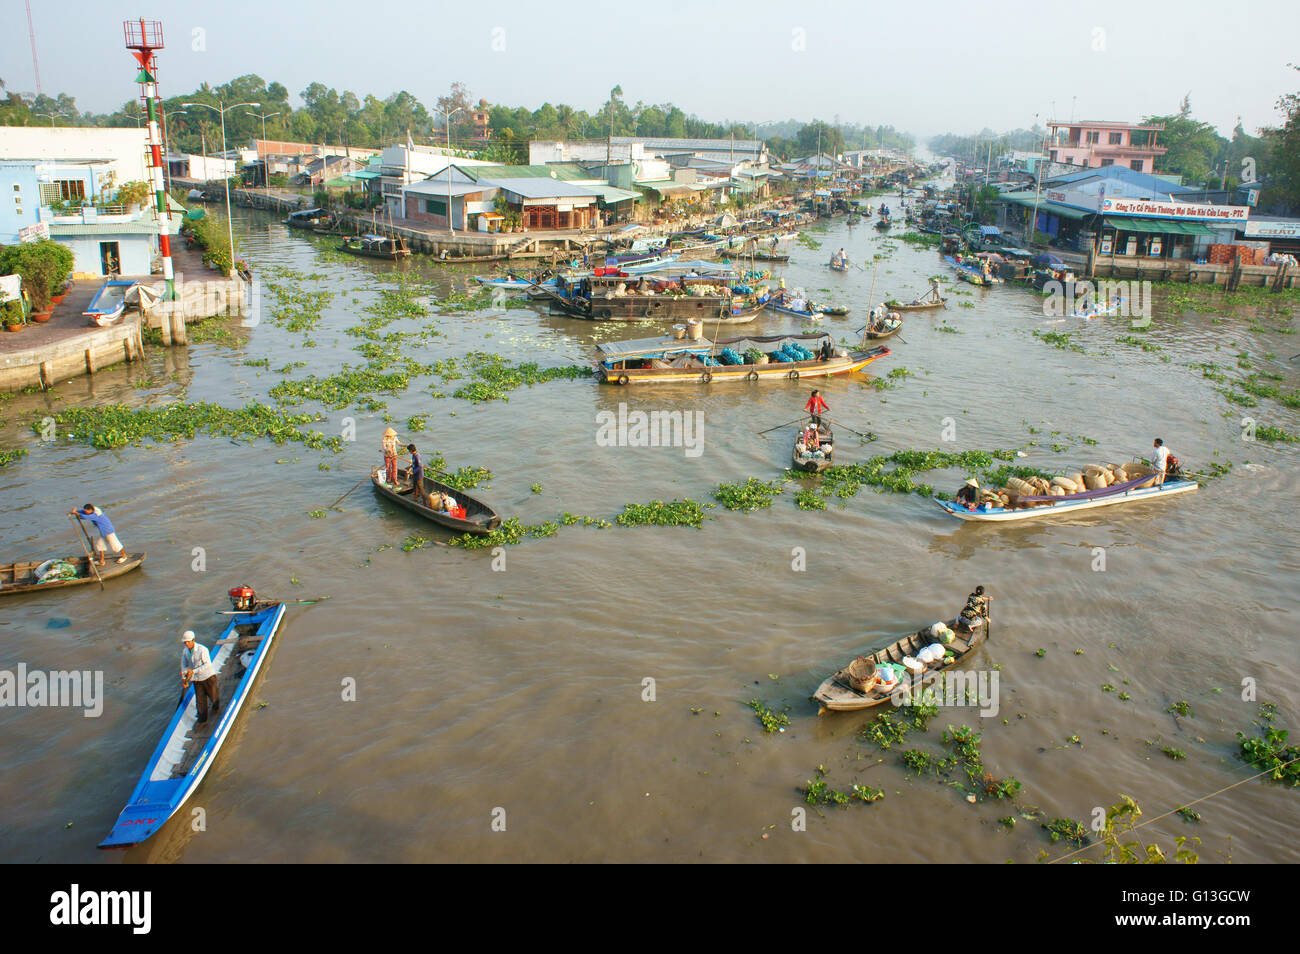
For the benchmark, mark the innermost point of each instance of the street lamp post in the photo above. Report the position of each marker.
(450, 224)
(167, 147)
(266, 181)
(222, 110)
(51, 115)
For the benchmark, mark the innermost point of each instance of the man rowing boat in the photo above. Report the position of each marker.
(197, 670)
(104, 534)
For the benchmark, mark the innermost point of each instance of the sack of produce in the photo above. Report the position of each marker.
(1066, 484)
(913, 665)
(937, 628)
(946, 636)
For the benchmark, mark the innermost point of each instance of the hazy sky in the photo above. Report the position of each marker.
(924, 67)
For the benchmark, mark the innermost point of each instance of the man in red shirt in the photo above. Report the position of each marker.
(816, 407)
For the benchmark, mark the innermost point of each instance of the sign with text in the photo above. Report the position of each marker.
(1175, 210)
(35, 232)
(1264, 229)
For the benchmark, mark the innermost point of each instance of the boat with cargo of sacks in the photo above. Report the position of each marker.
(699, 360)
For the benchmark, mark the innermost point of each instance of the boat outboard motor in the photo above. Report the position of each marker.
(243, 599)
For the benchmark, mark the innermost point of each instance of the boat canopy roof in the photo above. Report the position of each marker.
(306, 213)
(666, 345)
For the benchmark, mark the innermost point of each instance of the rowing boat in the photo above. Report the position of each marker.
(807, 312)
(25, 577)
(916, 305)
(891, 325)
(1098, 310)
(187, 750)
(838, 266)
(479, 519)
(837, 693)
(377, 246)
(1125, 492)
(812, 464)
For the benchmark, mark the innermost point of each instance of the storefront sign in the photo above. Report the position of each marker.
(1175, 210)
(34, 233)
(1264, 229)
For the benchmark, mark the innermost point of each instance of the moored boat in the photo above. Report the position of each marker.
(917, 304)
(109, 302)
(702, 361)
(852, 688)
(384, 247)
(37, 576)
(478, 519)
(187, 749)
(310, 219)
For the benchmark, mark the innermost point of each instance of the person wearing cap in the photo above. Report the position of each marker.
(968, 494)
(390, 456)
(103, 534)
(197, 670)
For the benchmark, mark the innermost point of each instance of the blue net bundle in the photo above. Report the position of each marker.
(731, 356)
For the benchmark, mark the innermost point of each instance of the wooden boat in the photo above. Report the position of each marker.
(883, 223)
(480, 519)
(310, 219)
(598, 299)
(109, 302)
(837, 693)
(916, 304)
(837, 266)
(835, 311)
(390, 249)
(1099, 309)
(668, 359)
(187, 750)
(24, 577)
(892, 325)
(768, 256)
(814, 465)
(969, 273)
(1126, 492)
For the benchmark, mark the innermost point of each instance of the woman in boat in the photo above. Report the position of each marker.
(976, 609)
(968, 494)
(104, 533)
(816, 407)
(389, 444)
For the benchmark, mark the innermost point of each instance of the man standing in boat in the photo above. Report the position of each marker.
(417, 473)
(1165, 463)
(197, 670)
(816, 407)
(104, 533)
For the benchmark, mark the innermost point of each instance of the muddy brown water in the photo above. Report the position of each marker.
(523, 688)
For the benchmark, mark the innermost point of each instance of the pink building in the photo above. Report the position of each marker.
(1095, 144)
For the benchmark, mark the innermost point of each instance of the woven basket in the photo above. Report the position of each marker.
(861, 673)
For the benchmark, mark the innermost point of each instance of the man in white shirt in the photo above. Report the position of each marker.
(197, 668)
(1161, 461)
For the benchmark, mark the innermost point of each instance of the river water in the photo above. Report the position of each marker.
(519, 694)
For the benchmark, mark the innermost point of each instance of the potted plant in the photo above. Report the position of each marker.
(43, 267)
(132, 195)
(11, 313)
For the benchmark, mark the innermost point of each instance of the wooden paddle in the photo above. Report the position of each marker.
(84, 540)
(868, 437)
(354, 487)
(779, 426)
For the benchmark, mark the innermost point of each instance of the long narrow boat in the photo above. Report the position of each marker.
(187, 750)
(25, 577)
(1098, 309)
(807, 313)
(377, 246)
(667, 360)
(480, 519)
(837, 693)
(109, 302)
(1126, 492)
(969, 273)
(813, 464)
(916, 305)
(837, 266)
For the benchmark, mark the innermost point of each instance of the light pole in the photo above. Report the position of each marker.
(222, 110)
(51, 115)
(266, 180)
(447, 115)
(167, 147)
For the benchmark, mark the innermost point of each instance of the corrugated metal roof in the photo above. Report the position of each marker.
(535, 188)
(438, 187)
(558, 170)
(613, 194)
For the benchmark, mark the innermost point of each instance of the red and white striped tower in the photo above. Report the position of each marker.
(143, 38)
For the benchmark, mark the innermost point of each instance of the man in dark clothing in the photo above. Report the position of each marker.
(417, 472)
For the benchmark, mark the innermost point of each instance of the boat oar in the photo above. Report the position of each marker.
(353, 487)
(84, 540)
(868, 437)
(779, 426)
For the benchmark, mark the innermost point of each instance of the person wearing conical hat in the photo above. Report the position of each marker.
(968, 494)
(390, 456)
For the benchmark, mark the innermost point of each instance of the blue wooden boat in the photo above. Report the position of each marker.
(109, 302)
(186, 751)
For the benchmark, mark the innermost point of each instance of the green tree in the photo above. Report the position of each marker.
(1284, 143)
(1193, 146)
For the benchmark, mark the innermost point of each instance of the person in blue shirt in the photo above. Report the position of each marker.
(417, 472)
(103, 532)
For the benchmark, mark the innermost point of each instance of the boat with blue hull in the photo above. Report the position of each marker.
(187, 750)
(1033, 507)
(109, 302)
